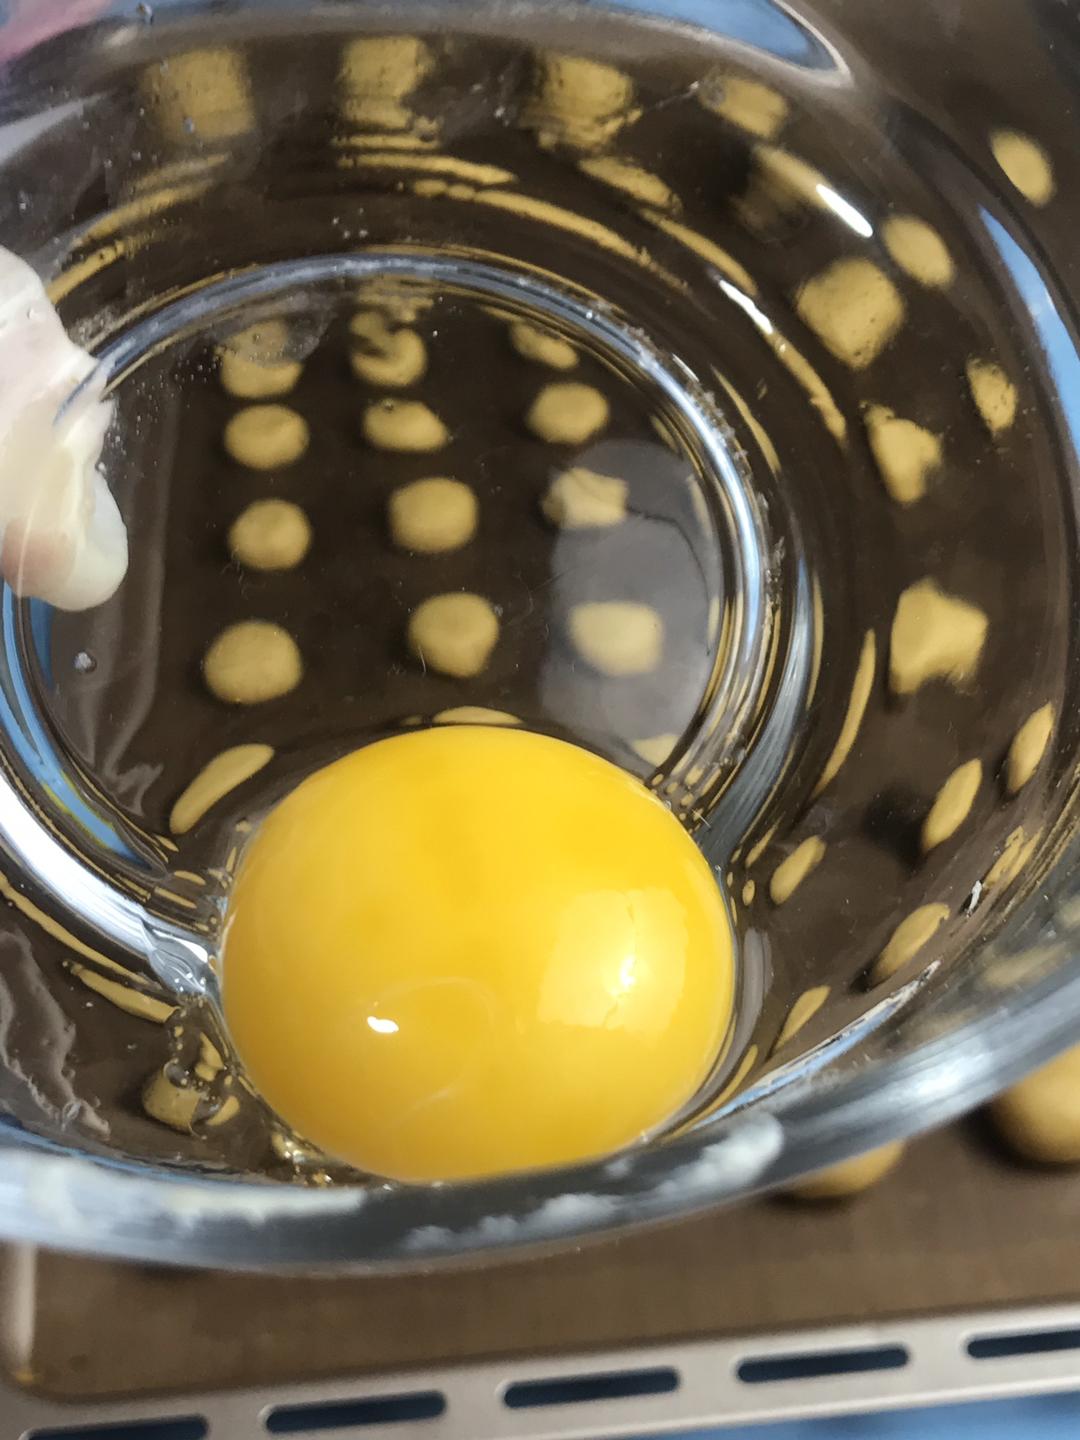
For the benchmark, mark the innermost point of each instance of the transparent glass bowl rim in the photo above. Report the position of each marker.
(77, 1203)
(51, 1196)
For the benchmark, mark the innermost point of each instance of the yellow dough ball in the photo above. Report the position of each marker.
(567, 413)
(405, 425)
(250, 379)
(214, 781)
(534, 342)
(1040, 1118)
(1026, 164)
(850, 1177)
(270, 535)
(617, 637)
(454, 634)
(474, 715)
(581, 499)
(382, 355)
(994, 394)
(432, 515)
(1028, 748)
(265, 437)
(252, 661)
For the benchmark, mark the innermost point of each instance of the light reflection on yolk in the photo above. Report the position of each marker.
(472, 950)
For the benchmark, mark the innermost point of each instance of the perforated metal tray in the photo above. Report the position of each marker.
(958, 1277)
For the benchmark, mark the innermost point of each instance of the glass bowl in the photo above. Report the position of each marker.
(818, 260)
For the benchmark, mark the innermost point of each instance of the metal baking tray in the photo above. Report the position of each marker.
(959, 1276)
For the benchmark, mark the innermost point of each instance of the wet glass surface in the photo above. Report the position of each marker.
(818, 266)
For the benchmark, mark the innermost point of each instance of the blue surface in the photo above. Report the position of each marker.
(1058, 342)
(22, 726)
(1043, 1417)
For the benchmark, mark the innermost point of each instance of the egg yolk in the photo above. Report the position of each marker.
(468, 950)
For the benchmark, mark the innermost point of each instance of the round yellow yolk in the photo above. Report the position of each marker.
(471, 950)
